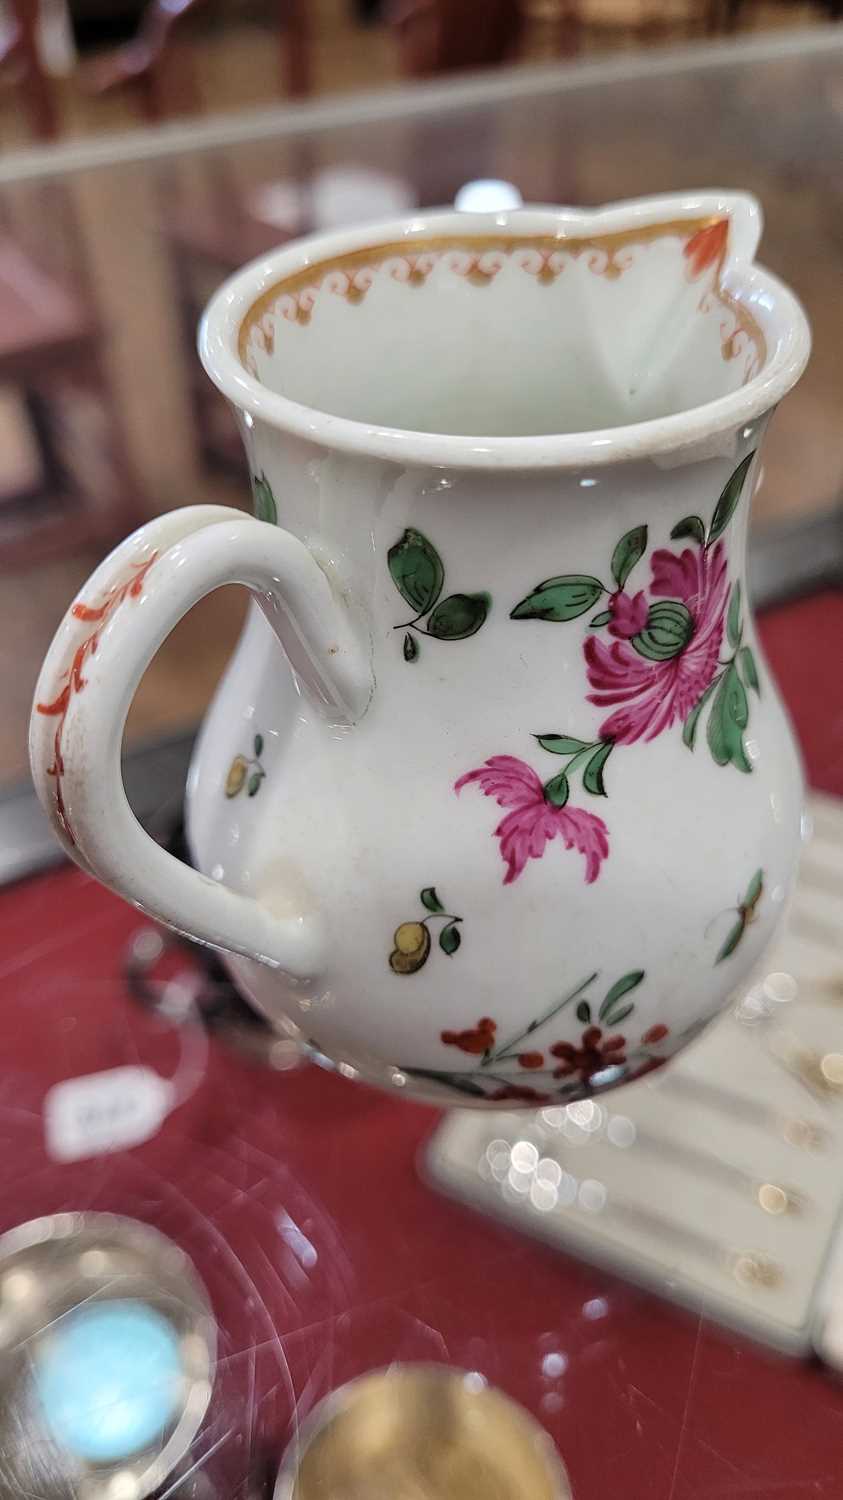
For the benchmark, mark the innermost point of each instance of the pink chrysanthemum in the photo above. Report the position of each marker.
(653, 694)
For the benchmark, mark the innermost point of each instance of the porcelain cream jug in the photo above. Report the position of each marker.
(497, 799)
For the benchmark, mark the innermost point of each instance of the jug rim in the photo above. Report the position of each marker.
(774, 307)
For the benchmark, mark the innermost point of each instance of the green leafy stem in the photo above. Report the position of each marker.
(613, 1009)
(728, 695)
(265, 507)
(418, 573)
(745, 912)
(694, 527)
(569, 595)
(590, 756)
(449, 936)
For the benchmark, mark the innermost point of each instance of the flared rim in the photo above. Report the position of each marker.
(771, 303)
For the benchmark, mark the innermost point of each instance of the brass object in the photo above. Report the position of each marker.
(421, 1432)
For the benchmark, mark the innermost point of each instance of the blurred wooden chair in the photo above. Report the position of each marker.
(449, 36)
(209, 222)
(438, 37)
(21, 66)
(158, 63)
(65, 478)
(727, 15)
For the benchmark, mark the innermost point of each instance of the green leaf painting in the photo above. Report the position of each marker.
(418, 573)
(560, 599)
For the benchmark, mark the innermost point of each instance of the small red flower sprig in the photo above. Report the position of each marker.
(575, 1068)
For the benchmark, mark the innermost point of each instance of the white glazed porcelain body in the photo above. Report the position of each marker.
(549, 816)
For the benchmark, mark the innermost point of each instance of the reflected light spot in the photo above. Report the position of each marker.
(123, 1486)
(284, 1055)
(554, 1365)
(518, 1181)
(555, 1117)
(831, 1067)
(780, 988)
(543, 1195)
(524, 1156)
(497, 1155)
(756, 1270)
(596, 1308)
(588, 1115)
(805, 1135)
(217, 873)
(303, 1249)
(474, 1382)
(487, 195)
(587, 484)
(754, 1007)
(549, 1171)
(592, 1195)
(566, 1192)
(621, 1131)
(93, 1263)
(18, 1286)
(773, 1199)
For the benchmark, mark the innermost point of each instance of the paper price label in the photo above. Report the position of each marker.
(103, 1112)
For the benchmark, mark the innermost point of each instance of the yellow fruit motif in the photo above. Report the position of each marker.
(412, 945)
(236, 776)
(412, 939)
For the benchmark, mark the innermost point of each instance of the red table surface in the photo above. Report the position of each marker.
(325, 1255)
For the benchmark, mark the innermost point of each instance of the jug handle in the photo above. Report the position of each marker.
(86, 685)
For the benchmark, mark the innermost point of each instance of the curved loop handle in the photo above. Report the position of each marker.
(91, 672)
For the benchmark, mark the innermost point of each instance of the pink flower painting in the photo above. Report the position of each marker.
(675, 650)
(648, 693)
(533, 820)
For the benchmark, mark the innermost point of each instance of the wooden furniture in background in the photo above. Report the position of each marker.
(21, 65)
(447, 36)
(212, 236)
(159, 64)
(66, 480)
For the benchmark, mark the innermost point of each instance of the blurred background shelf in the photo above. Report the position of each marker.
(110, 243)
